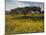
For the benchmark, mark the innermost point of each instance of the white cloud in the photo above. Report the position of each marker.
(19, 4)
(14, 4)
(26, 0)
(16, 0)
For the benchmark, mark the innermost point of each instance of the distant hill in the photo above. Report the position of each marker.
(32, 9)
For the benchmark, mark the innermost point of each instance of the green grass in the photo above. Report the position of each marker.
(15, 25)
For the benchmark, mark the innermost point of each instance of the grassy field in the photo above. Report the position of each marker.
(20, 24)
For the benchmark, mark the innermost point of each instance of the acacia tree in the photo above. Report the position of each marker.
(25, 10)
(36, 9)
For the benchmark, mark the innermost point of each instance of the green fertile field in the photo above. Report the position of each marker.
(15, 24)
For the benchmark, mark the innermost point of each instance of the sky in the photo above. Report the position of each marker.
(11, 4)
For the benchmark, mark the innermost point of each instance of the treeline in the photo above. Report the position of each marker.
(26, 10)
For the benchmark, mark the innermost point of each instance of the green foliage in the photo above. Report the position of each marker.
(25, 10)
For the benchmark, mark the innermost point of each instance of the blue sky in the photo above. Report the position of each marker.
(11, 4)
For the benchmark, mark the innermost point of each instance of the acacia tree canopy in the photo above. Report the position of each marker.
(25, 9)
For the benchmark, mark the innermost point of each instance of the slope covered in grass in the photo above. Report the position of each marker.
(14, 24)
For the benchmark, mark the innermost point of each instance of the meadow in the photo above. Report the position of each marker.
(31, 23)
